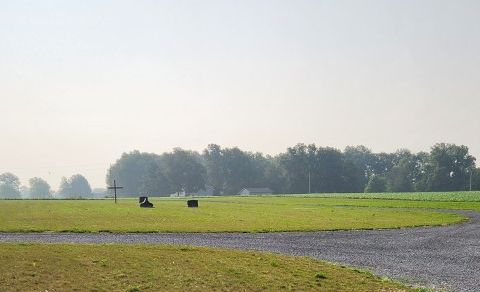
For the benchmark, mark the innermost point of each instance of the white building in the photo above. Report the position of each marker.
(255, 191)
(207, 191)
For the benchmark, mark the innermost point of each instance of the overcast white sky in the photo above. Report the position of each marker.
(83, 81)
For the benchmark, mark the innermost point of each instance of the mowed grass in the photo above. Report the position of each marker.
(215, 214)
(64, 267)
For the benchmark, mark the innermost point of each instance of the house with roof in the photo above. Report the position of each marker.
(206, 191)
(255, 191)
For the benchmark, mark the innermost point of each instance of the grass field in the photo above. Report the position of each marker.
(216, 214)
(65, 267)
(36, 267)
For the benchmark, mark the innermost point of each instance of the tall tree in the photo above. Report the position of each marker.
(260, 164)
(231, 169)
(383, 163)
(39, 188)
(9, 186)
(327, 171)
(64, 188)
(376, 184)
(322, 169)
(298, 163)
(476, 179)
(363, 159)
(80, 186)
(215, 167)
(239, 170)
(353, 178)
(130, 171)
(154, 181)
(419, 171)
(400, 178)
(76, 186)
(184, 171)
(275, 176)
(448, 167)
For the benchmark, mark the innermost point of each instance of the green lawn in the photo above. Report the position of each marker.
(63, 267)
(216, 214)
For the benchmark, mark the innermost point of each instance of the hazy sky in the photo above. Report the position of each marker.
(83, 81)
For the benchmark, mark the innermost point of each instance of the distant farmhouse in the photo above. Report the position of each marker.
(207, 191)
(255, 191)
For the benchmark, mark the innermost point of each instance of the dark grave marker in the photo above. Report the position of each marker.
(192, 203)
(144, 203)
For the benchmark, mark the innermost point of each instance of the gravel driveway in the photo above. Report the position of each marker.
(436, 257)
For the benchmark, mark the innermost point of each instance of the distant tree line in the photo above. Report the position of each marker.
(76, 186)
(301, 169)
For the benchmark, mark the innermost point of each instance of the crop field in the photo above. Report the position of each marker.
(428, 196)
(451, 201)
(221, 214)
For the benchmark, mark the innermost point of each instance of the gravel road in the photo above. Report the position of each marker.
(437, 257)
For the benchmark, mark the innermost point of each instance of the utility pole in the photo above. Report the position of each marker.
(471, 172)
(309, 189)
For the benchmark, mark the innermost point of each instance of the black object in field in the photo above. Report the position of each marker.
(144, 203)
(192, 203)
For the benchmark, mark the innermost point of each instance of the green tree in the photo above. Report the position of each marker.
(376, 184)
(419, 171)
(64, 188)
(353, 178)
(76, 186)
(231, 169)
(327, 171)
(79, 186)
(298, 163)
(154, 181)
(447, 168)
(130, 171)
(476, 179)
(400, 178)
(323, 169)
(215, 167)
(184, 171)
(383, 163)
(363, 159)
(240, 170)
(39, 188)
(275, 175)
(9, 186)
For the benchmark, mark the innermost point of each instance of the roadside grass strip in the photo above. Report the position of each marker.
(67, 267)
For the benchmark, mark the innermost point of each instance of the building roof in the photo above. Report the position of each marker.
(258, 190)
